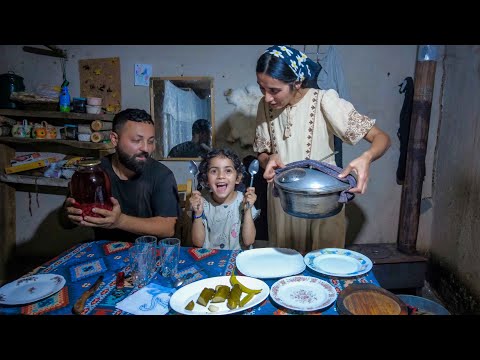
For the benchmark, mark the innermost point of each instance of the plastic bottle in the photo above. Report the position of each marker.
(64, 99)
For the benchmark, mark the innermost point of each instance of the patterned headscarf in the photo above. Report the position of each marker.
(296, 60)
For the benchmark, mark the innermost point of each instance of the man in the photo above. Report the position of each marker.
(144, 191)
(200, 143)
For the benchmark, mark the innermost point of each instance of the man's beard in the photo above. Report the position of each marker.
(131, 162)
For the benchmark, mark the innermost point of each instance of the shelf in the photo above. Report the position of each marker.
(56, 115)
(34, 180)
(72, 143)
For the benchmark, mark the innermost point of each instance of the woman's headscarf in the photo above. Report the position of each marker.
(301, 64)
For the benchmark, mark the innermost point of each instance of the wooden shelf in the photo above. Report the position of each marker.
(56, 115)
(73, 143)
(34, 180)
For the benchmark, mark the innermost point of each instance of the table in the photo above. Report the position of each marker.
(84, 263)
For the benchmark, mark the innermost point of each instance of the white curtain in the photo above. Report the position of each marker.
(181, 108)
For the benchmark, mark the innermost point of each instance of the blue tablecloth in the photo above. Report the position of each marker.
(84, 263)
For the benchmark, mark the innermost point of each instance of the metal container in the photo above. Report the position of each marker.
(9, 83)
(309, 193)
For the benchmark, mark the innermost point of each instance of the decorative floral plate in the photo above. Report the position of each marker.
(32, 288)
(303, 293)
(338, 262)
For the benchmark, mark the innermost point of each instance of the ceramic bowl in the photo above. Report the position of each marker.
(94, 109)
(95, 101)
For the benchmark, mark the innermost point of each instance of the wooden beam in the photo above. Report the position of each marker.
(56, 53)
(416, 152)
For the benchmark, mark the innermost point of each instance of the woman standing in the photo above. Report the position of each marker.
(295, 122)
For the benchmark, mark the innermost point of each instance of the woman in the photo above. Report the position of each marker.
(295, 122)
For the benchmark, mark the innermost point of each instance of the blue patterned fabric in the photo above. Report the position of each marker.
(83, 264)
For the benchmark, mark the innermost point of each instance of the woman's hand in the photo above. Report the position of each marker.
(196, 203)
(360, 167)
(249, 198)
(274, 162)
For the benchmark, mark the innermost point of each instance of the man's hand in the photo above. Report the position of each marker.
(74, 213)
(110, 220)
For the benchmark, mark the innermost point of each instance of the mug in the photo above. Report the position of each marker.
(51, 131)
(39, 131)
(22, 129)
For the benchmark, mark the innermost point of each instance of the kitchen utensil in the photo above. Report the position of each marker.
(309, 193)
(10, 83)
(80, 303)
(326, 157)
(368, 299)
(253, 169)
(182, 279)
(193, 169)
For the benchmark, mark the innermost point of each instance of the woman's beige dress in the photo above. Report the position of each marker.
(305, 131)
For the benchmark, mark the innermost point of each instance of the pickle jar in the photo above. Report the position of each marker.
(90, 187)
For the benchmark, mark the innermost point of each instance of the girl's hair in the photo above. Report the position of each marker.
(227, 153)
(277, 68)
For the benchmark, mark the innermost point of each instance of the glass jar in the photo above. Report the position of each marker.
(90, 187)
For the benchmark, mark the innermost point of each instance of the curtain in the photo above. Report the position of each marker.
(181, 108)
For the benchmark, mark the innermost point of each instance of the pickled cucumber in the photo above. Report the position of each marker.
(205, 296)
(222, 293)
(190, 305)
(234, 299)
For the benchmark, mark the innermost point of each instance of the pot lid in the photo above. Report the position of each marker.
(309, 181)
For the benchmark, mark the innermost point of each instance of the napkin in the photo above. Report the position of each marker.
(153, 299)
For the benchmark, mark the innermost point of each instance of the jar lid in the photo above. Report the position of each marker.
(89, 162)
(309, 181)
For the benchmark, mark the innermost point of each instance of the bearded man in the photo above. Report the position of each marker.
(144, 191)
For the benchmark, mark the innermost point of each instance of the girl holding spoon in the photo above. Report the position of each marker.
(224, 218)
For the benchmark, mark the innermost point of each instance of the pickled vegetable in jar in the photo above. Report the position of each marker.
(90, 187)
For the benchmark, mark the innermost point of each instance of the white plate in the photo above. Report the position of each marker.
(303, 293)
(270, 263)
(338, 262)
(184, 295)
(32, 288)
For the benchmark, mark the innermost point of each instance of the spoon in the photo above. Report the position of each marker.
(326, 157)
(193, 169)
(252, 170)
(181, 280)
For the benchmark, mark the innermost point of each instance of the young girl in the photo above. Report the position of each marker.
(224, 218)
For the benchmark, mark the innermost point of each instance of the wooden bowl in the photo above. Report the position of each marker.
(368, 299)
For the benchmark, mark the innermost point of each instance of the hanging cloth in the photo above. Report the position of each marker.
(331, 77)
(404, 129)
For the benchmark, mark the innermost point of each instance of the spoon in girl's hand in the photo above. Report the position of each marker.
(252, 170)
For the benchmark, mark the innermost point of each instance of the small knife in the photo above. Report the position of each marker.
(80, 303)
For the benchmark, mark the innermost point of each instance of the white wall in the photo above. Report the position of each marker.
(373, 74)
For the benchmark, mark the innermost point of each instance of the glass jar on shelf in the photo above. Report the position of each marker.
(91, 188)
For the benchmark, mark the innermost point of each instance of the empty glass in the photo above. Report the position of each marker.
(169, 254)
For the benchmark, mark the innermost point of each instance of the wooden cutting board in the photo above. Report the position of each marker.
(368, 299)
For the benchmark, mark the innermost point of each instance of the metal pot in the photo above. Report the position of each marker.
(309, 193)
(9, 83)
